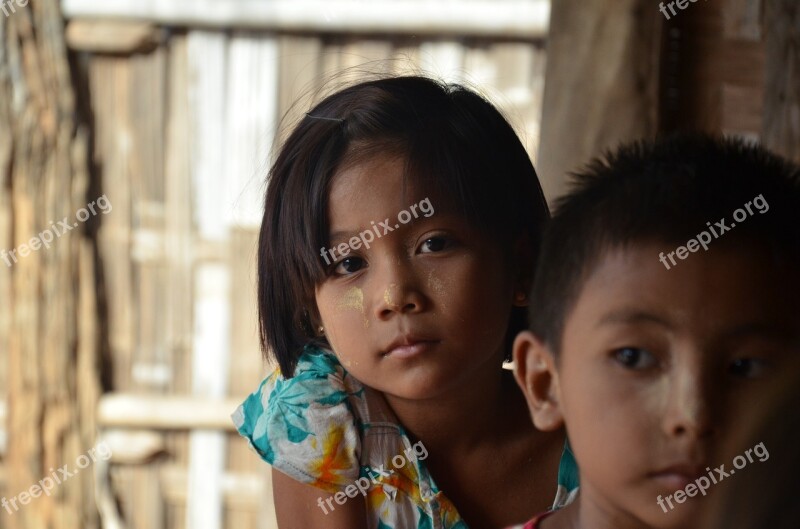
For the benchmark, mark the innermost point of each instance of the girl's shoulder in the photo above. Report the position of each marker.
(307, 426)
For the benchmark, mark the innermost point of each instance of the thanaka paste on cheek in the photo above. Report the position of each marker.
(353, 299)
(437, 285)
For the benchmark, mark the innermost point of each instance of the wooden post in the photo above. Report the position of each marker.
(53, 381)
(601, 85)
(781, 129)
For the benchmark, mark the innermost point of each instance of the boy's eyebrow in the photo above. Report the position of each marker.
(764, 329)
(632, 316)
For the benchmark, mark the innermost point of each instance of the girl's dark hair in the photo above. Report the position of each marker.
(456, 144)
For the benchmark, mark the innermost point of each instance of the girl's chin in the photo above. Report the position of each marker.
(415, 388)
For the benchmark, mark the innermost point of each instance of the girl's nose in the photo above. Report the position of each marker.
(398, 294)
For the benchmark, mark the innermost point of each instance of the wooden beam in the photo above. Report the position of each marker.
(781, 125)
(134, 447)
(238, 489)
(601, 83)
(112, 36)
(165, 412)
(521, 19)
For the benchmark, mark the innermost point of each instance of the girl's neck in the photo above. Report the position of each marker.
(471, 414)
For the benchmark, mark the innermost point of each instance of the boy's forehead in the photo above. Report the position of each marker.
(727, 287)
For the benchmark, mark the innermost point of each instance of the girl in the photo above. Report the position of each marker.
(394, 263)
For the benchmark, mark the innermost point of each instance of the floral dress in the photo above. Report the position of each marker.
(324, 428)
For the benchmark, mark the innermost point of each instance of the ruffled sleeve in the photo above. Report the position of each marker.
(304, 426)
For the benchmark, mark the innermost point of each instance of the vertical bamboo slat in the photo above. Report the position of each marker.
(298, 76)
(211, 347)
(251, 119)
(179, 227)
(109, 82)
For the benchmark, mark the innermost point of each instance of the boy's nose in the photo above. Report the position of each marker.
(689, 409)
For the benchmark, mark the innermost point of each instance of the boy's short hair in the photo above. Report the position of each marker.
(669, 190)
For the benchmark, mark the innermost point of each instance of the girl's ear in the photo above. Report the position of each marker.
(535, 372)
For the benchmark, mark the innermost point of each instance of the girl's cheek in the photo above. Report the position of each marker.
(351, 304)
(352, 299)
(344, 318)
(440, 289)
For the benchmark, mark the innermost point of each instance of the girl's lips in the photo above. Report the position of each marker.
(409, 348)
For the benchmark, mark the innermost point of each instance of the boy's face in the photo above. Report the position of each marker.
(654, 369)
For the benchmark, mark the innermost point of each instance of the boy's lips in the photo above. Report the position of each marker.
(408, 346)
(678, 476)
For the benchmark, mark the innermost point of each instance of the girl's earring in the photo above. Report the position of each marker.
(520, 298)
(321, 329)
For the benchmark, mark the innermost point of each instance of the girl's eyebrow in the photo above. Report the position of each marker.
(344, 235)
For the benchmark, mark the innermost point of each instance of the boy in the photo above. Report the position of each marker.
(664, 303)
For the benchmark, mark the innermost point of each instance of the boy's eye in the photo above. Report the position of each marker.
(748, 367)
(434, 244)
(350, 265)
(634, 358)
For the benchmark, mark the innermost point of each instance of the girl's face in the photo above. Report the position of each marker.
(425, 308)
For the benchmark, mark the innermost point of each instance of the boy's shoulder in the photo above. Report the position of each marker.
(534, 523)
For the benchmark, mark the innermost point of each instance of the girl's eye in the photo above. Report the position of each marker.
(748, 367)
(350, 265)
(634, 358)
(434, 244)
